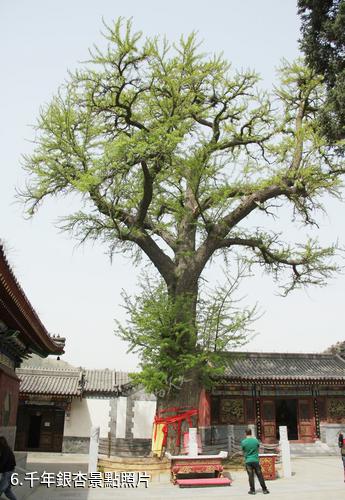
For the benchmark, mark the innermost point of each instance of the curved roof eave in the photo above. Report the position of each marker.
(20, 314)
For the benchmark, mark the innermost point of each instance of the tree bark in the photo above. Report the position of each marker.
(184, 298)
(186, 396)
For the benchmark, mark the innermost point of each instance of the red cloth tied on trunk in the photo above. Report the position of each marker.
(180, 414)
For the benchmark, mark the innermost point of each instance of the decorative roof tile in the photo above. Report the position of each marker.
(338, 348)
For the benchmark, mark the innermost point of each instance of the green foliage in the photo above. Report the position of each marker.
(164, 141)
(171, 152)
(151, 330)
(323, 42)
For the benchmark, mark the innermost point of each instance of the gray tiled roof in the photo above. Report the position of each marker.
(122, 378)
(104, 381)
(283, 366)
(49, 382)
(69, 381)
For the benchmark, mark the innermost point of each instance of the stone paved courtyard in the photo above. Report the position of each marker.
(313, 478)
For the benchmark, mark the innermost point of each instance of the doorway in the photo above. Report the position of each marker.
(34, 431)
(286, 414)
(40, 428)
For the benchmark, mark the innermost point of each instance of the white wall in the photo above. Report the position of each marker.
(144, 412)
(86, 413)
(79, 421)
(100, 411)
(121, 415)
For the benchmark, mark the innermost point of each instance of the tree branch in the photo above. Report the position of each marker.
(252, 202)
(161, 261)
(309, 265)
(139, 236)
(147, 194)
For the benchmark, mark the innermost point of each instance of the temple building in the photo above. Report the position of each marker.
(59, 403)
(305, 392)
(21, 333)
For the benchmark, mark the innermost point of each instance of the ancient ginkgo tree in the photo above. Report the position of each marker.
(172, 153)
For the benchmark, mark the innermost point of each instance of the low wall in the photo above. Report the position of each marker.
(329, 433)
(159, 470)
(117, 447)
(219, 434)
(71, 444)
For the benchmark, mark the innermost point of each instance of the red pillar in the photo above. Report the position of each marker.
(204, 409)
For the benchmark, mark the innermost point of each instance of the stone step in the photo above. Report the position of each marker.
(312, 449)
(202, 482)
(213, 450)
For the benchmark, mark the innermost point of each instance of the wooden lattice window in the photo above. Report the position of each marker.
(336, 409)
(321, 405)
(250, 411)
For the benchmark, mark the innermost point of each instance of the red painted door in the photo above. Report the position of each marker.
(306, 421)
(268, 418)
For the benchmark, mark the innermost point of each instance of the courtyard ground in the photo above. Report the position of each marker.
(313, 479)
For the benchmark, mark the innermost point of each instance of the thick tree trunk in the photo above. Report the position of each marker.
(183, 396)
(184, 391)
(183, 328)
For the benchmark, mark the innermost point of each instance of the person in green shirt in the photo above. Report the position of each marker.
(250, 447)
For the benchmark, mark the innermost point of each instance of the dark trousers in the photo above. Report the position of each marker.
(5, 485)
(255, 467)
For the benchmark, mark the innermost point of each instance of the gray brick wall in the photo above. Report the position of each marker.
(129, 417)
(75, 444)
(112, 416)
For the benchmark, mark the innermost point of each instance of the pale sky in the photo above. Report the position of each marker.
(77, 291)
